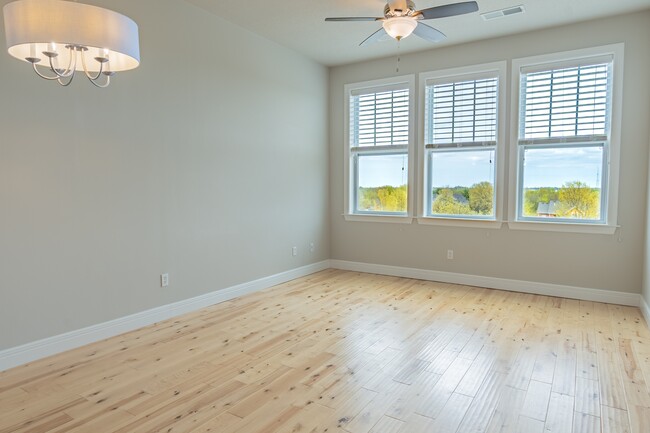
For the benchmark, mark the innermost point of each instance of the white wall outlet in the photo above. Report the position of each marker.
(450, 254)
(312, 248)
(164, 280)
(294, 251)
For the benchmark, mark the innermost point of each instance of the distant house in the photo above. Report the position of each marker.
(547, 209)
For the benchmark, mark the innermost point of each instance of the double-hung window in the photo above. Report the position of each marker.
(379, 141)
(565, 147)
(462, 143)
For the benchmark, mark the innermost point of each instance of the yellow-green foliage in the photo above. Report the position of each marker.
(577, 200)
(480, 197)
(573, 200)
(385, 199)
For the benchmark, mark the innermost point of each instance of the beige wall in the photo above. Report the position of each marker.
(209, 162)
(592, 261)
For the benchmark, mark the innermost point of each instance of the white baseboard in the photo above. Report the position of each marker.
(610, 297)
(29, 352)
(645, 309)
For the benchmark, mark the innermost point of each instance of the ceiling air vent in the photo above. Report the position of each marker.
(513, 10)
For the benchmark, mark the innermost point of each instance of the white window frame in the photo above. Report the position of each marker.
(348, 159)
(612, 144)
(499, 69)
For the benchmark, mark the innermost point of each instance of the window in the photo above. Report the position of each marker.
(462, 143)
(378, 146)
(564, 146)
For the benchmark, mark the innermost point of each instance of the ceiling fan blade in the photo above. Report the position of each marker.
(354, 19)
(449, 10)
(379, 35)
(429, 33)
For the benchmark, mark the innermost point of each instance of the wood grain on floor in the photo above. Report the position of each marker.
(342, 351)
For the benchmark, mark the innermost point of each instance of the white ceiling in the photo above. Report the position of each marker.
(300, 25)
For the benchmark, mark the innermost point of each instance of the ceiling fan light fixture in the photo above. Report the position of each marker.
(400, 27)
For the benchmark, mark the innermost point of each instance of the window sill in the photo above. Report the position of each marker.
(399, 219)
(460, 222)
(601, 229)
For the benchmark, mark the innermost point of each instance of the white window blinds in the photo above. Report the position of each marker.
(379, 119)
(569, 102)
(461, 112)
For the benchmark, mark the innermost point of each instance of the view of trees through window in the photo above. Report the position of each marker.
(384, 198)
(460, 200)
(562, 182)
(573, 200)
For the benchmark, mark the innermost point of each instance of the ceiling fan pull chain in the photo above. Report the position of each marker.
(399, 44)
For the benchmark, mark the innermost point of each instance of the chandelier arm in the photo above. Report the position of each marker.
(90, 77)
(68, 71)
(101, 86)
(41, 75)
(66, 84)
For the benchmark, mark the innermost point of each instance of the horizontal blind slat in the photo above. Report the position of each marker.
(461, 112)
(562, 102)
(379, 118)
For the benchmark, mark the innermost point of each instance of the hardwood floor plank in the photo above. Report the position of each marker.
(477, 372)
(587, 397)
(480, 412)
(452, 413)
(537, 400)
(433, 401)
(615, 420)
(529, 425)
(506, 415)
(560, 413)
(387, 425)
(583, 423)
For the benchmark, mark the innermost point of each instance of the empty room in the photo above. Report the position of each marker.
(363, 216)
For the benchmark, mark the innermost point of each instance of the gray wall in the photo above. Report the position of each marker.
(592, 261)
(209, 162)
(646, 262)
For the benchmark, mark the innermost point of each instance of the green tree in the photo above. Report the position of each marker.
(480, 197)
(368, 199)
(533, 197)
(577, 200)
(446, 204)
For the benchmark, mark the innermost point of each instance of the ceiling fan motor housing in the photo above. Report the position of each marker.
(395, 11)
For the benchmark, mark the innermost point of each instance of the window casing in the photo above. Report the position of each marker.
(462, 136)
(565, 152)
(379, 137)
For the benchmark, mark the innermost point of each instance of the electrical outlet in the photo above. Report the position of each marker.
(450, 254)
(164, 280)
(294, 251)
(312, 248)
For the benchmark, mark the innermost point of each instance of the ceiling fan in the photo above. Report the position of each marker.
(401, 19)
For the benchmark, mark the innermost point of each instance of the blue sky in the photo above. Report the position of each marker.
(543, 167)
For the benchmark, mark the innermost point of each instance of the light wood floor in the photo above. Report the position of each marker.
(348, 352)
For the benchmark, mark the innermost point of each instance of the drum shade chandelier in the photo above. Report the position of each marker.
(63, 37)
